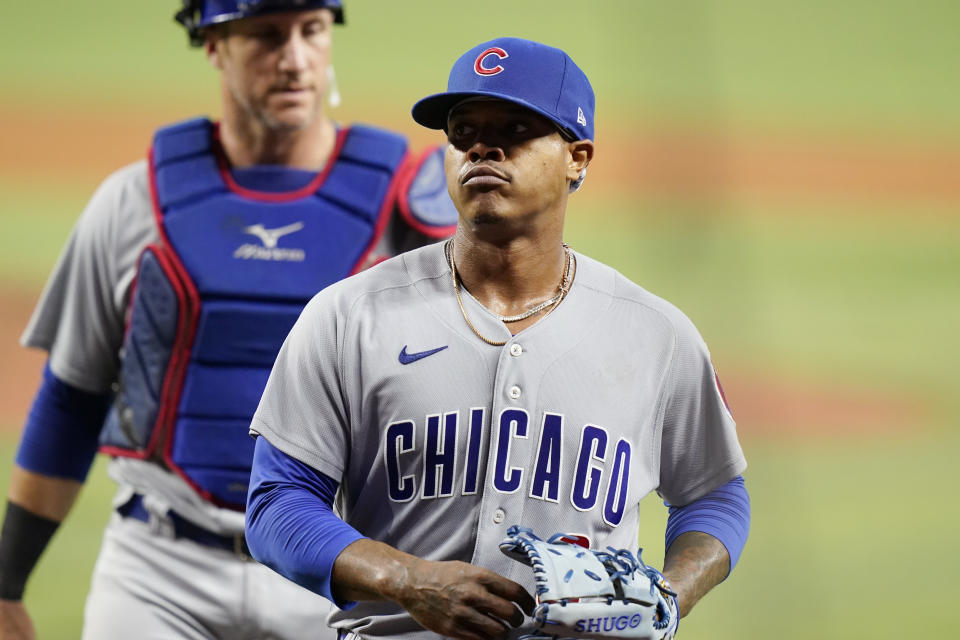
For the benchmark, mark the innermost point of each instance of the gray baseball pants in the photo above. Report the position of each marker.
(150, 586)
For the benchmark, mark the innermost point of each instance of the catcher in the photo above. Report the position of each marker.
(498, 378)
(164, 315)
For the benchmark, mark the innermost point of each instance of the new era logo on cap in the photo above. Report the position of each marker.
(541, 78)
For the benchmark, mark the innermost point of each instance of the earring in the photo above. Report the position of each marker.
(333, 92)
(575, 184)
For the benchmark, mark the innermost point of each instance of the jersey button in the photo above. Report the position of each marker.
(499, 516)
(514, 392)
(515, 349)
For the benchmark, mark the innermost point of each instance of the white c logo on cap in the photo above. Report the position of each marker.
(489, 71)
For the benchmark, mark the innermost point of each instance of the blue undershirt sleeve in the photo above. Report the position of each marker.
(61, 434)
(291, 526)
(723, 513)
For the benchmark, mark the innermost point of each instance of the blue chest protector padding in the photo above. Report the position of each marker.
(211, 310)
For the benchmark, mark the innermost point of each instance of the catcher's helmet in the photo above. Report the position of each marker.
(198, 14)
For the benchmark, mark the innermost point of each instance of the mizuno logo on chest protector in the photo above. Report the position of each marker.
(270, 250)
(269, 237)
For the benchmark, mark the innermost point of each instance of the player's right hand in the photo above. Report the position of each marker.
(15, 623)
(460, 600)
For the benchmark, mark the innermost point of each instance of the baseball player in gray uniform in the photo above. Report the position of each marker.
(164, 315)
(418, 410)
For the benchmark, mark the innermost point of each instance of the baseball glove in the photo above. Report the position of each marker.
(586, 593)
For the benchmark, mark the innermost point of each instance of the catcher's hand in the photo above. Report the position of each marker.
(586, 593)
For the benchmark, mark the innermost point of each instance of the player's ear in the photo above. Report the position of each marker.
(581, 153)
(212, 45)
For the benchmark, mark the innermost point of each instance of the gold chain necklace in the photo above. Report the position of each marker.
(550, 304)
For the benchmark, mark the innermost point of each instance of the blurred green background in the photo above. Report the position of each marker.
(786, 173)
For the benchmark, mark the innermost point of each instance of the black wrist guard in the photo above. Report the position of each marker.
(24, 537)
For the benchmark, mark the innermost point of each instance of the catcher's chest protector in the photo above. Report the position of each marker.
(215, 298)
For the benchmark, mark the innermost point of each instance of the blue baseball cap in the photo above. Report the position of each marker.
(197, 15)
(541, 78)
(216, 11)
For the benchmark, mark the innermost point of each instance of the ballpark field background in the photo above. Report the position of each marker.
(787, 173)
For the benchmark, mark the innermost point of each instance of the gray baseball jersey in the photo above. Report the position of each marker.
(441, 442)
(80, 320)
